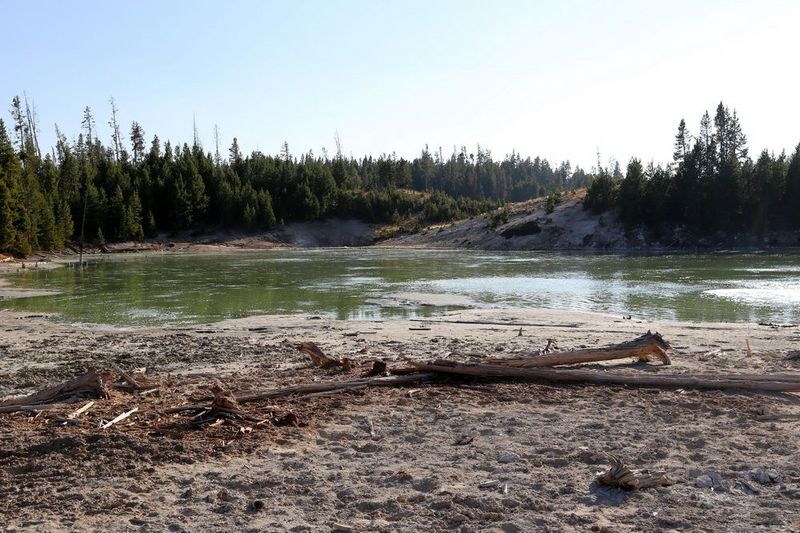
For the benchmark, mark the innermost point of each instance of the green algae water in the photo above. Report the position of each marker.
(375, 283)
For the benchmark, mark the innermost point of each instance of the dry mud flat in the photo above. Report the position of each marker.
(460, 454)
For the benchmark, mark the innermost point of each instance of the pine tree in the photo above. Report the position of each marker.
(16, 237)
(20, 129)
(682, 141)
(629, 198)
(137, 142)
(791, 196)
(88, 125)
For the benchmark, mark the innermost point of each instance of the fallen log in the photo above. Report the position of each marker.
(313, 389)
(644, 348)
(92, 383)
(564, 375)
(388, 381)
(495, 323)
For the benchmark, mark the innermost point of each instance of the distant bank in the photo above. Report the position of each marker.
(532, 225)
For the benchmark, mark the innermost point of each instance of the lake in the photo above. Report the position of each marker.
(375, 283)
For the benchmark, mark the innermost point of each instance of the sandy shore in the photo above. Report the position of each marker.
(386, 459)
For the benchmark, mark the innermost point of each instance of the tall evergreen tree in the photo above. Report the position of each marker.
(630, 194)
(682, 143)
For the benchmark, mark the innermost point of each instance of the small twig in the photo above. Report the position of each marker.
(121, 417)
(127, 377)
(79, 412)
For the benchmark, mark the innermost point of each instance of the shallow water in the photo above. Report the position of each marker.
(361, 283)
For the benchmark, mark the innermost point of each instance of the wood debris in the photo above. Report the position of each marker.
(79, 412)
(223, 407)
(379, 368)
(318, 357)
(621, 476)
(131, 382)
(119, 418)
(92, 384)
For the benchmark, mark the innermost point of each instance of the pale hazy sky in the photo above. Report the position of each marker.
(558, 79)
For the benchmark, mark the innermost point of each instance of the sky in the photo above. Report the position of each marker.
(561, 79)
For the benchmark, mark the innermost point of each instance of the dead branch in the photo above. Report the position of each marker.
(90, 384)
(307, 388)
(132, 383)
(644, 348)
(311, 389)
(127, 377)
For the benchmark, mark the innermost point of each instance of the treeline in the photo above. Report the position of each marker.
(136, 189)
(712, 185)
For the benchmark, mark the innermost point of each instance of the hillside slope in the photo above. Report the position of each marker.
(529, 227)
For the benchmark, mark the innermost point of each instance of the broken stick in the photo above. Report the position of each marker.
(120, 418)
(79, 412)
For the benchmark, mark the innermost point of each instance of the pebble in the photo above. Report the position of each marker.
(765, 477)
(429, 484)
(708, 481)
(511, 502)
(258, 505)
(509, 457)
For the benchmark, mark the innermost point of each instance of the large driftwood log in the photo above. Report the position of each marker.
(91, 383)
(644, 348)
(568, 375)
